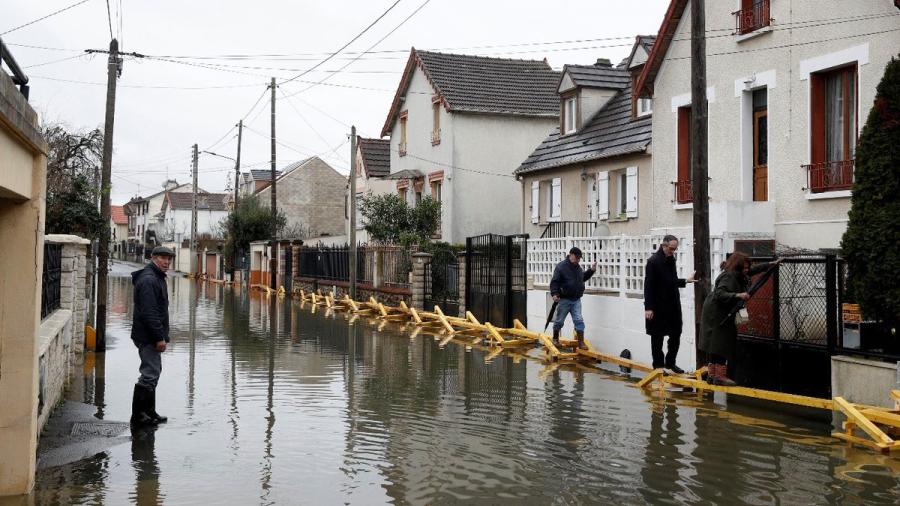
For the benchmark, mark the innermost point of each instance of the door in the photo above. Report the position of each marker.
(211, 266)
(760, 155)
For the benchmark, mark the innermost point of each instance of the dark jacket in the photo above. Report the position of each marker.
(715, 336)
(661, 284)
(151, 305)
(568, 280)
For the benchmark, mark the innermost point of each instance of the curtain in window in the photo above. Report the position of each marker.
(834, 118)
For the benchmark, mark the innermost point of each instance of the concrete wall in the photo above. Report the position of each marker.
(312, 196)
(779, 59)
(23, 176)
(864, 381)
(575, 195)
(178, 223)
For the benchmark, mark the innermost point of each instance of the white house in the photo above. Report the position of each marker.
(373, 165)
(459, 125)
(176, 214)
(144, 220)
(788, 91)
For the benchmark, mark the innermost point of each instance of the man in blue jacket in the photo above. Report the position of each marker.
(566, 288)
(150, 333)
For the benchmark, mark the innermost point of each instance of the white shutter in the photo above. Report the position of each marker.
(535, 201)
(631, 192)
(556, 212)
(603, 195)
(592, 198)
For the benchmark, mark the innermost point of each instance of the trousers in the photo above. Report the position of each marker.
(656, 348)
(151, 366)
(565, 307)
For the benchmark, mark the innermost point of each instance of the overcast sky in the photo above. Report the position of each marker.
(159, 116)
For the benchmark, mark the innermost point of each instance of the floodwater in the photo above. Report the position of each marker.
(273, 402)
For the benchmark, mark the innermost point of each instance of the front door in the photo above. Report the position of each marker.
(760, 155)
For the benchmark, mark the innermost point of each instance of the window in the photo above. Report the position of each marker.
(402, 193)
(833, 115)
(535, 201)
(644, 106)
(622, 197)
(436, 190)
(683, 189)
(436, 120)
(754, 14)
(569, 115)
(403, 118)
(555, 200)
(418, 197)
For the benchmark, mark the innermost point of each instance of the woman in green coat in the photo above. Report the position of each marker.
(718, 330)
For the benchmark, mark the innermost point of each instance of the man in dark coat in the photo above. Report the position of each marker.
(566, 288)
(150, 333)
(662, 304)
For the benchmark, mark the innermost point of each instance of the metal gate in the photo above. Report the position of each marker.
(442, 283)
(496, 278)
(288, 280)
(793, 330)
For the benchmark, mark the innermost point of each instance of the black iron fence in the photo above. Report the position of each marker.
(50, 284)
(332, 263)
(496, 275)
(442, 286)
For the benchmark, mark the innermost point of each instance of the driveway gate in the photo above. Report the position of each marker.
(496, 278)
(442, 283)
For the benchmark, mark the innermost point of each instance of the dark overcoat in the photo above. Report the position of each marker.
(718, 330)
(661, 284)
(151, 306)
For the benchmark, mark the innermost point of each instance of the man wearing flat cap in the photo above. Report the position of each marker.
(150, 333)
(567, 287)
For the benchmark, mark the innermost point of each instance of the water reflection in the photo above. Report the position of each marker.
(369, 412)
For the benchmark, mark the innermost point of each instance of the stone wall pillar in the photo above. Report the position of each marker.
(418, 279)
(378, 271)
(73, 283)
(461, 259)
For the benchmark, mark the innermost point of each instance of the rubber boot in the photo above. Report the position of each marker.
(579, 336)
(718, 376)
(556, 338)
(151, 410)
(139, 405)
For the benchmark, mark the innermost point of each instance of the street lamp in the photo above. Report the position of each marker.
(217, 154)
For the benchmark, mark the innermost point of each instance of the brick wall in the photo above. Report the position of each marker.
(311, 196)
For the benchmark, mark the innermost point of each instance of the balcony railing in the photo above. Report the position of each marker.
(569, 229)
(830, 176)
(753, 18)
(684, 191)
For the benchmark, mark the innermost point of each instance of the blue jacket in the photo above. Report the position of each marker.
(151, 306)
(568, 280)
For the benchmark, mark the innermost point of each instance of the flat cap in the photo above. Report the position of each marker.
(162, 250)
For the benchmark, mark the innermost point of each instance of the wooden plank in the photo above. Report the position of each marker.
(655, 373)
(471, 318)
(512, 343)
(548, 344)
(445, 341)
(861, 421)
(492, 331)
(493, 354)
(351, 302)
(443, 319)
(382, 310)
(518, 325)
(603, 357)
(800, 400)
(883, 417)
(862, 442)
(415, 315)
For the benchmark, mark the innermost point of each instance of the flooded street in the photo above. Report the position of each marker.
(279, 403)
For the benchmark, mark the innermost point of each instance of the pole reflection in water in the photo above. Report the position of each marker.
(372, 412)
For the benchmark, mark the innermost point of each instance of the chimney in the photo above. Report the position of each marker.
(603, 62)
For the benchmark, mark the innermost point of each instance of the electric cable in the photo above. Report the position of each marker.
(64, 9)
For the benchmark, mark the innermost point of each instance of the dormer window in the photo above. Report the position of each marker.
(569, 114)
(644, 106)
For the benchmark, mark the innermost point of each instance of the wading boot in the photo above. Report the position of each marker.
(151, 411)
(718, 376)
(556, 338)
(140, 403)
(579, 336)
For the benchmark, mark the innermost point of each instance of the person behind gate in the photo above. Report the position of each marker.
(150, 333)
(662, 304)
(566, 288)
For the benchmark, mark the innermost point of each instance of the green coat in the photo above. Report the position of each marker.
(715, 336)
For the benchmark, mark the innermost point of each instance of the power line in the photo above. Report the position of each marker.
(109, 18)
(351, 41)
(64, 9)
(151, 87)
(67, 58)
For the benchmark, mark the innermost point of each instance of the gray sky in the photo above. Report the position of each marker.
(155, 127)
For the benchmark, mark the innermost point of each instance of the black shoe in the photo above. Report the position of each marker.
(674, 369)
(139, 407)
(151, 410)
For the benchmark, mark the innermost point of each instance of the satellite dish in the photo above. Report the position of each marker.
(601, 230)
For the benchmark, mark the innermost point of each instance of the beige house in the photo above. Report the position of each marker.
(373, 165)
(311, 195)
(118, 231)
(23, 191)
(594, 168)
(788, 91)
(459, 126)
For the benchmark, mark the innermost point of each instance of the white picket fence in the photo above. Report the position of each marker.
(620, 259)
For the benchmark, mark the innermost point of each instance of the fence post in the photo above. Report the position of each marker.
(461, 270)
(831, 301)
(417, 288)
(378, 271)
(623, 266)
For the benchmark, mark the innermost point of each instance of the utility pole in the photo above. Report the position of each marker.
(274, 254)
(699, 158)
(112, 73)
(237, 163)
(352, 233)
(196, 160)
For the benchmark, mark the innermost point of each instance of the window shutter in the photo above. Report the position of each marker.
(535, 201)
(603, 195)
(817, 105)
(556, 212)
(631, 192)
(684, 143)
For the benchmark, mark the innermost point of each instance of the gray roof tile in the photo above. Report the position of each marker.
(205, 201)
(595, 76)
(376, 154)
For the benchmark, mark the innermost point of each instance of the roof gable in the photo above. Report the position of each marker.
(480, 84)
(375, 155)
(596, 76)
(117, 214)
(647, 77)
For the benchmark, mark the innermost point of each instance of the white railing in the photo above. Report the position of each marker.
(620, 259)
